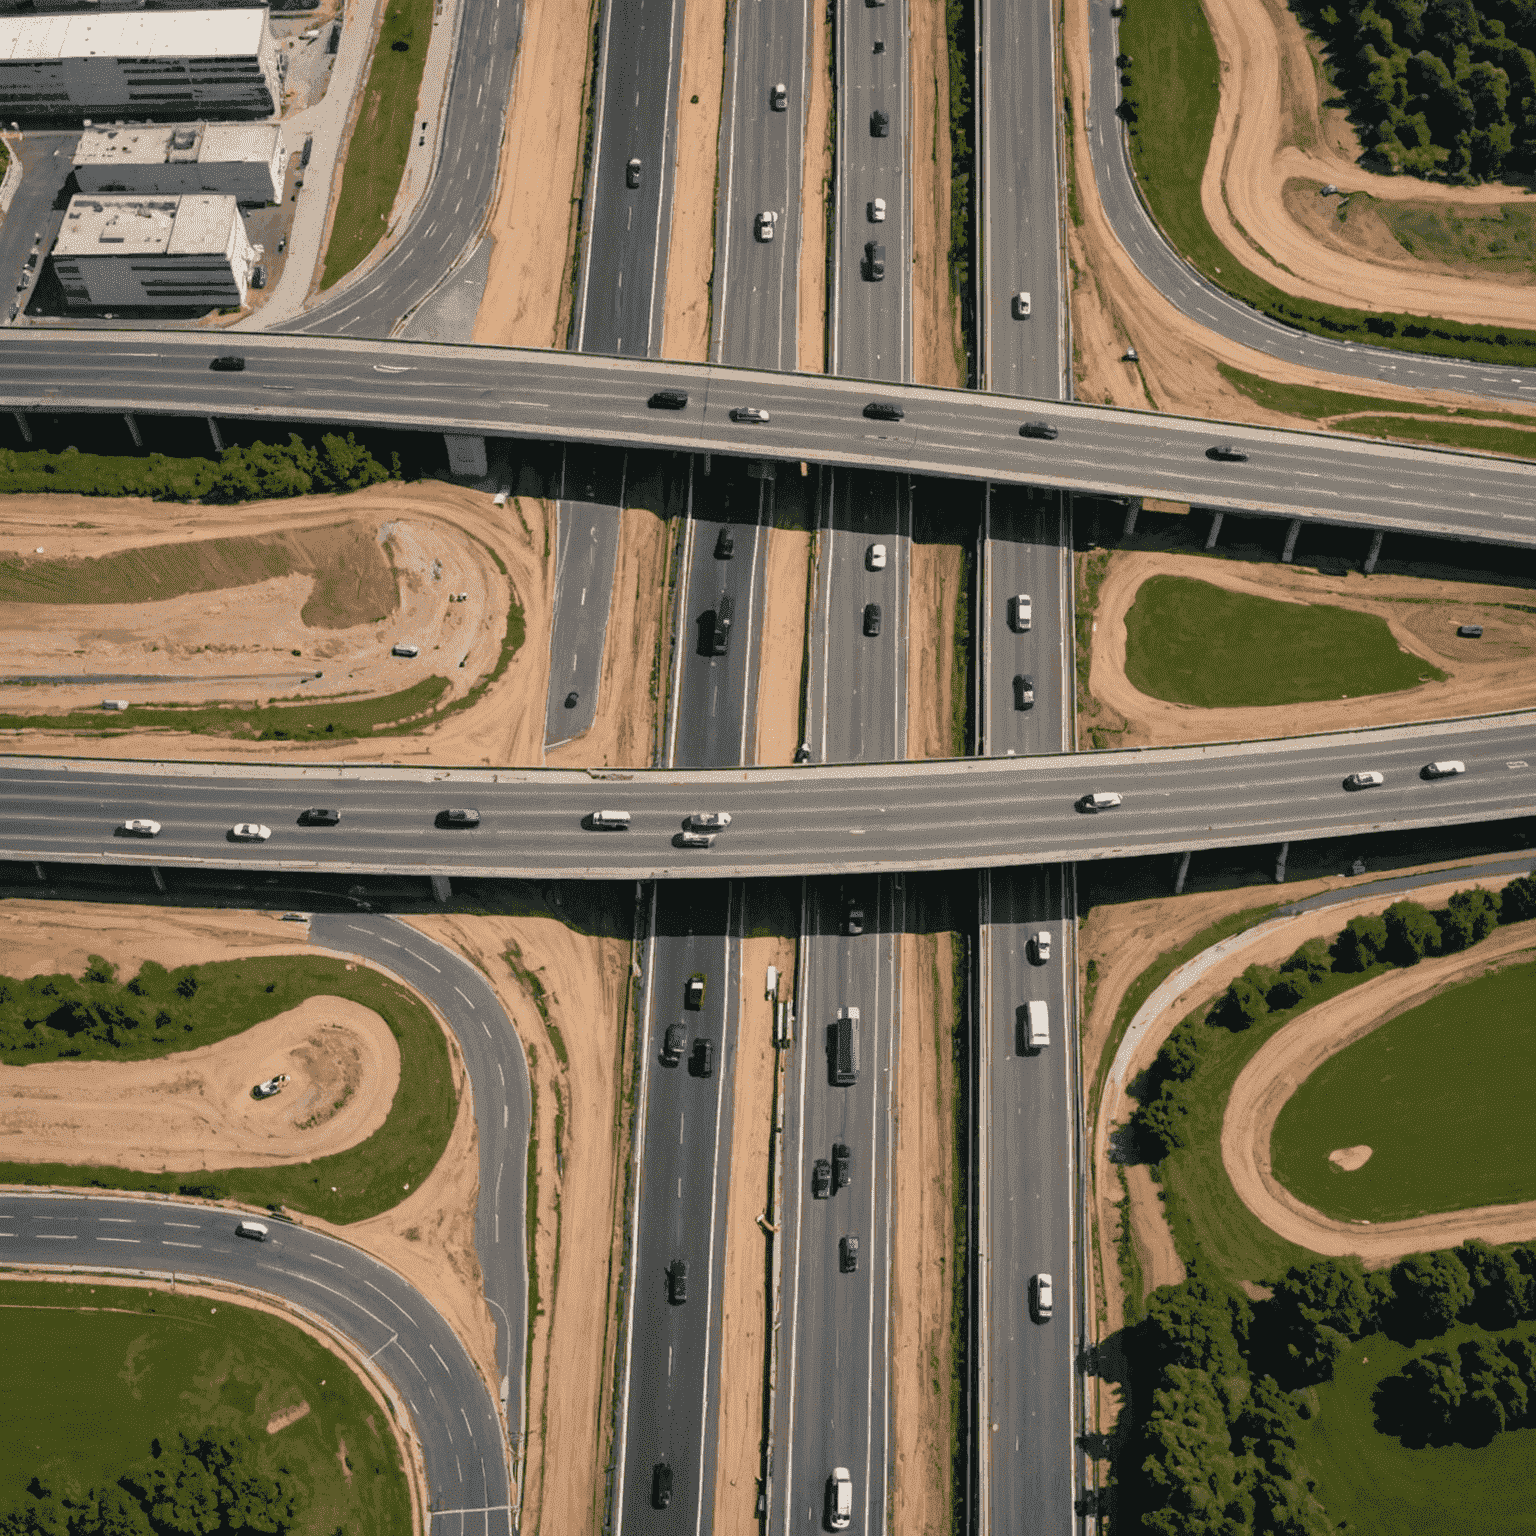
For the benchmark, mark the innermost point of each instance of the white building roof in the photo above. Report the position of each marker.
(208, 144)
(134, 35)
(146, 226)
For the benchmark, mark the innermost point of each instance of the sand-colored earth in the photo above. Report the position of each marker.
(428, 521)
(527, 298)
(1288, 1058)
(194, 1109)
(815, 191)
(1156, 1250)
(630, 693)
(744, 1316)
(1482, 676)
(781, 653)
(691, 240)
(1270, 108)
(937, 357)
(936, 574)
(1350, 1158)
(581, 1125)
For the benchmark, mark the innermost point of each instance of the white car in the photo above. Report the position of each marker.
(695, 839)
(250, 832)
(765, 222)
(1099, 800)
(877, 557)
(1040, 1299)
(877, 210)
(1042, 944)
(140, 827)
(1023, 612)
(1366, 779)
(1021, 305)
(839, 1499)
(405, 649)
(710, 821)
(273, 1085)
(1445, 770)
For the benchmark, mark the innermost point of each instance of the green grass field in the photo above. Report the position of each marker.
(1383, 1489)
(1193, 643)
(87, 1390)
(1444, 1095)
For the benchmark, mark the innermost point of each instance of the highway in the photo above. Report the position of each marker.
(565, 397)
(385, 1319)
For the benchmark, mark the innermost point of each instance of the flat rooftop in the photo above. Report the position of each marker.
(133, 35)
(210, 143)
(146, 226)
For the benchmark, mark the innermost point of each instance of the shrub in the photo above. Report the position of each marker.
(1469, 918)
(1518, 900)
(1412, 932)
(1360, 944)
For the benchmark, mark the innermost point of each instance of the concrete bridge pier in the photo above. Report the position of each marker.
(1215, 533)
(1375, 554)
(24, 425)
(1179, 877)
(442, 888)
(1132, 508)
(213, 432)
(1292, 533)
(154, 869)
(132, 424)
(1280, 859)
(466, 455)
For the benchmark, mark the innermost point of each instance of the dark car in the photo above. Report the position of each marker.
(842, 1165)
(821, 1179)
(848, 1254)
(317, 816)
(725, 544)
(1023, 691)
(883, 410)
(874, 261)
(228, 365)
(673, 1044)
(703, 1058)
(669, 400)
(573, 698)
(1470, 631)
(1042, 429)
(855, 920)
(693, 992)
(749, 413)
(872, 619)
(879, 124)
(1225, 453)
(661, 1485)
(632, 174)
(778, 99)
(677, 1282)
(467, 817)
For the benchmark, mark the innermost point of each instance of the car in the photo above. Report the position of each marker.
(1225, 453)
(140, 826)
(500, 499)
(763, 225)
(693, 991)
(468, 816)
(1040, 1297)
(228, 364)
(319, 816)
(632, 173)
(848, 1254)
(282, 244)
(842, 1165)
(272, 1086)
(874, 261)
(250, 832)
(661, 1485)
(259, 275)
(803, 752)
(677, 1282)
(877, 210)
(1040, 429)
(778, 98)
(879, 124)
(821, 1179)
(871, 619)
(1099, 800)
(674, 1043)
(1366, 778)
(855, 920)
(688, 839)
(1023, 691)
(669, 400)
(1023, 612)
(573, 698)
(884, 410)
(1021, 305)
(725, 544)
(1470, 631)
(1041, 944)
(703, 1058)
(709, 821)
(1130, 355)
(1447, 768)
(255, 1230)
(839, 1499)
(876, 557)
(405, 648)
(749, 413)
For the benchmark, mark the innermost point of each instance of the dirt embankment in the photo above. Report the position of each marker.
(567, 1002)
(937, 357)
(815, 190)
(938, 571)
(1482, 676)
(222, 642)
(781, 654)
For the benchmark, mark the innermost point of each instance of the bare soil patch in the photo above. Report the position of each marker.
(744, 1296)
(815, 191)
(781, 654)
(1156, 1251)
(937, 571)
(691, 244)
(578, 1059)
(527, 299)
(937, 357)
(629, 700)
(1290, 1056)
(281, 1421)
(1422, 612)
(1350, 1158)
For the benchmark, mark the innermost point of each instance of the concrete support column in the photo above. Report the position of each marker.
(1133, 506)
(42, 879)
(1215, 533)
(132, 424)
(23, 425)
(466, 455)
(1290, 541)
(442, 888)
(1375, 554)
(1280, 858)
(159, 878)
(1178, 879)
(213, 432)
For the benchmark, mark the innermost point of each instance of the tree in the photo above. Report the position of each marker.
(1518, 900)
(1160, 1123)
(1432, 1290)
(1360, 944)
(1501, 1291)
(1412, 932)
(1470, 917)
(1421, 1403)
(1240, 1005)
(1334, 1291)
(1193, 1477)
(1496, 1398)
(1311, 959)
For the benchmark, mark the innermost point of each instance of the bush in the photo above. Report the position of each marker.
(1430, 1291)
(1517, 902)
(1412, 933)
(1240, 1006)
(1360, 944)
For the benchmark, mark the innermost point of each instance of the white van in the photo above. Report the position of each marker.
(1023, 612)
(1041, 1302)
(1037, 1026)
(1448, 768)
(839, 1499)
(255, 1230)
(611, 821)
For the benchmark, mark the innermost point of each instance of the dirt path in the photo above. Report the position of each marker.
(573, 1047)
(937, 357)
(815, 190)
(1287, 1059)
(1482, 676)
(743, 1310)
(527, 298)
(1156, 1250)
(1270, 103)
(937, 570)
(781, 654)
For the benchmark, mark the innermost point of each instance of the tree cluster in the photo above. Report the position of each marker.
(1438, 87)
(1486, 1387)
(203, 1485)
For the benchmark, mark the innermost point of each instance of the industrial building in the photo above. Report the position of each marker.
(138, 64)
(173, 253)
(239, 160)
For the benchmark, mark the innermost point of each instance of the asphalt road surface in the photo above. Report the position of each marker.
(833, 1404)
(563, 397)
(386, 1319)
